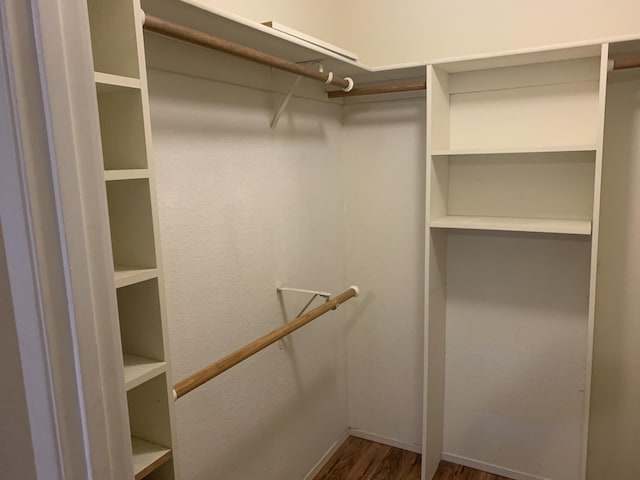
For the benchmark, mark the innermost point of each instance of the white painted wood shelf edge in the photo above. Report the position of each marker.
(106, 81)
(126, 275)
(507, 151)
(514, 224)
(147, 455)
(202, 16)
(138, 370)
(126, 174)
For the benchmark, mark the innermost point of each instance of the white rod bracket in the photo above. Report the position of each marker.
(349, 87)
(314, 294)
(325, 295)
(285, 102)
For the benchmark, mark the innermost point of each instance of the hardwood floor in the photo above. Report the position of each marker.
(451, 471)
(362, 459)
(359, 459)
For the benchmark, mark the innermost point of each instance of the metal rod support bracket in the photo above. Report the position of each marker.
(285, 102)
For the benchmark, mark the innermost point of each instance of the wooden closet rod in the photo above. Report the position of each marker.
(180, 32)
(194, 381)
(626, 63)
(400, 87)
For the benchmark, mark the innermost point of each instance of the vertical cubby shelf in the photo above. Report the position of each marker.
(122, 127)
(114, 41)
(121, 92)
(514, 158)
(131, 222)
(141, 332)
(151, 436)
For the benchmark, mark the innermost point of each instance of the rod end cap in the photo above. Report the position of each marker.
(355, 289)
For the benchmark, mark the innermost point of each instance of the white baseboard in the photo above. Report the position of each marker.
(354, 432)
(328, 454)
(487, 467)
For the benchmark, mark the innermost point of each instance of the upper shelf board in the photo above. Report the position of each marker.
(315, 41)
(512, 224)
(197, 14)
(524, 57)
(508, 151)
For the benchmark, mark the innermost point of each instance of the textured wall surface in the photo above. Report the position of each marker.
(515, 350)
(384, 145)
(615, 416)
(242, 210)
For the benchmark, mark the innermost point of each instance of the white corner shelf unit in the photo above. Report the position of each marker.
(123, 107)
(514, 155)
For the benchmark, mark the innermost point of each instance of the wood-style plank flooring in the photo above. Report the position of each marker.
(362, 459)
(359, 459)
(451, 471)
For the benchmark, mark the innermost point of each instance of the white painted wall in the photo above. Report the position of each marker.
(516, 349)
(383, 151)
(615, 415)
(384, 32)
(244, 209)
(16, 452)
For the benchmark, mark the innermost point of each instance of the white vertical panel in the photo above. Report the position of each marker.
(615, 416)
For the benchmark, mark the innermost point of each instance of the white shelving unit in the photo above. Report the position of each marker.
(514, 144)
(121, 91)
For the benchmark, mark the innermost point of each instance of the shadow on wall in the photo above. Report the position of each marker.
(194, 107)
(384, 113)
(233, 451)
(616, 384)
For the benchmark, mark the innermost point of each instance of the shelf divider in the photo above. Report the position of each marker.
(126, 275)
(126, 174)
(107, 81)
(506, 151)
(512, 224)
(138, 370)
(148, 457)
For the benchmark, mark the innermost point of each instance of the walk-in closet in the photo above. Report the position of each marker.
(284, 241)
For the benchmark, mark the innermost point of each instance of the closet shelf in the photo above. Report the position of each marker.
(127, 174)
(506, 151)
(107, 82)
(138, 370)
(148, 457)
(511, 224)
(125, 275)
(213, 21)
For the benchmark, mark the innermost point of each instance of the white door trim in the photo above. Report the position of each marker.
(55, 227)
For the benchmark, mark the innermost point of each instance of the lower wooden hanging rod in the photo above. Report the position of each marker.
(194, 381)
(624, 64)
(180, 32)
(399, 87)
